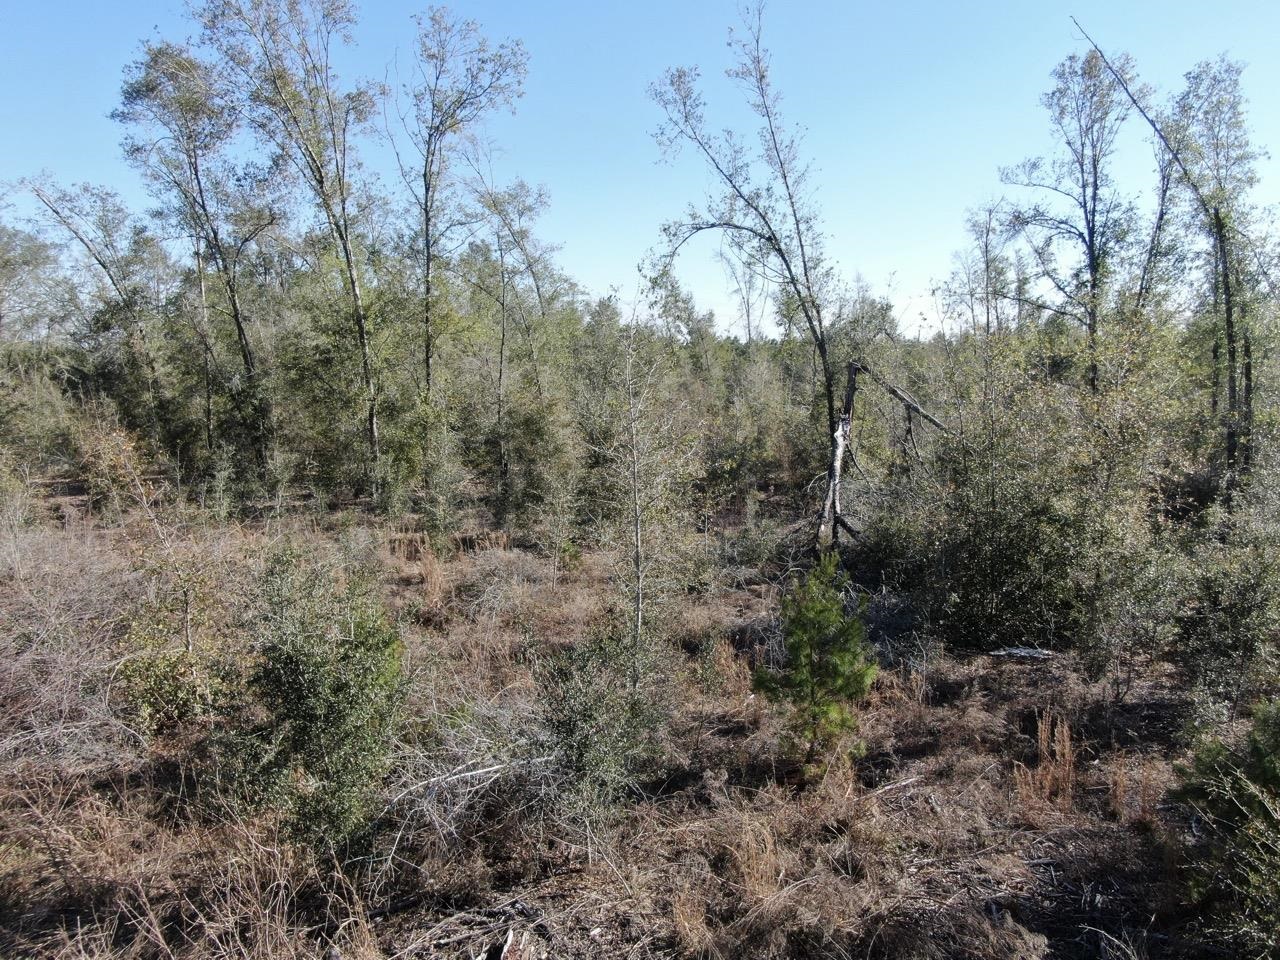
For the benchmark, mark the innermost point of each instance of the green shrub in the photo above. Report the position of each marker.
(217, 491)
(168, 689)
(600, 725)
(37, 421)
(173, 673)
(1007, 572)
(16, 499)
(1229, 617)
(1238, 794)
(445, 477)
(828, 667)
(114, 467)
(326, 688)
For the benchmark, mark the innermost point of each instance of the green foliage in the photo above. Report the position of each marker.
(1032, 523)
(1238, 793)
(168, 680)
(167, 689)
(444, 476)
(216, 492)
(602, 726)
(15, 497)
(1008, 536)
(115, 467)
(554, 523)
(326, 689)
(36, 419)
(1229, 616)
(828, 667)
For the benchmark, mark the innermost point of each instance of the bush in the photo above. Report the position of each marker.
(1007, 571)
(602, 727)
(1238, 794)
(119, 473)
(173, 672)
(167, 689)
(1229, 617)
(325, 692)
(37, 422)
(16, 499)
(828, 667)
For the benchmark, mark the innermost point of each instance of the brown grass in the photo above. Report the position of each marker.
(957, 834)
(1052, 781)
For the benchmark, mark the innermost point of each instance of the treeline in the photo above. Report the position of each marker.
(1080, 459)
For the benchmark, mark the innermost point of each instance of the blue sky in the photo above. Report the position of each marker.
(909, 109)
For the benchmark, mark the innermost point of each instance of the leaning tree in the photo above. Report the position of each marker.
(764, 208)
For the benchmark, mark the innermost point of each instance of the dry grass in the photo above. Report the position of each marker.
(103, 871)
(1052, 781)
(1135, 787)
(976, 825)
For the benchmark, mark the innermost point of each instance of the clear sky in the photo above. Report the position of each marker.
(909, 109)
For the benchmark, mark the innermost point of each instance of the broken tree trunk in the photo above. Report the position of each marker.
(903, 398)
(829, 521)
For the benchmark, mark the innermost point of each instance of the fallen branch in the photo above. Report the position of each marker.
(902, 397)
(462, 773)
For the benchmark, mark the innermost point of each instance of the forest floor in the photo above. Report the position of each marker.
(1002, 806)
(993, 806)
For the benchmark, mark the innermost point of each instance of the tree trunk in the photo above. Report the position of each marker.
(428, 251)
(1229, 334)
(1246, 406)
(204, 339)
(829, 519)
(503, 462)
(360, 319)
(637, 531)
(259, 418)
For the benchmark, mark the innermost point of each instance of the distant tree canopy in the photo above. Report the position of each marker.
(1088, 425)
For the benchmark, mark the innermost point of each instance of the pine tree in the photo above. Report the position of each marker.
(828, 667)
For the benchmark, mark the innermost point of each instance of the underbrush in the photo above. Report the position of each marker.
(1236, 789)
(282, 738)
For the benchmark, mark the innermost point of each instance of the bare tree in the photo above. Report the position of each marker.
(652, 455)
(510, 212)
(764, 210)
(1161, 251)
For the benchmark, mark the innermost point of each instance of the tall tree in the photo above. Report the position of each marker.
(1211, 138)
(28, 267)
(510, 213)
(180, 130)
(764, 207)
(1206, 137)
(765, 211)
(1076, 233)
(458, 78)
(280, 54)
(121, 248)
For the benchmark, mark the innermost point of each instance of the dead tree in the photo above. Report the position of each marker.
(765, 211)
(831, 519)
